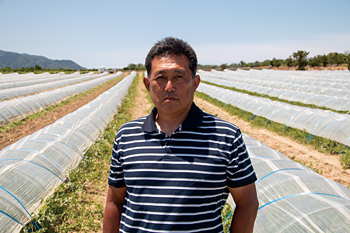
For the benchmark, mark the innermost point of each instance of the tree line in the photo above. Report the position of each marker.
(298, 59)
(133, 66)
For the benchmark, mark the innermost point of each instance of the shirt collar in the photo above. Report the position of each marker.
(192, 121)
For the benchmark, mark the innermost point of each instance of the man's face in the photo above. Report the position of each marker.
(171, 84)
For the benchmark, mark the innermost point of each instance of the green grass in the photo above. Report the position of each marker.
(275, 98)
(79, 210)
(226, 217)
(14, 124)
(323, 145)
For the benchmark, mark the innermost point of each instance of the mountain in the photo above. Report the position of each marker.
(17, 60)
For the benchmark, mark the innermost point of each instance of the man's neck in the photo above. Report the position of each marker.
(169, 123)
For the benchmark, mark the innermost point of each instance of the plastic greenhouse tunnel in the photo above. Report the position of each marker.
(317, 122)
(19, 108)
(322, 89)
(20, 80)
(31, 168)
(25, 90)
(293, 198)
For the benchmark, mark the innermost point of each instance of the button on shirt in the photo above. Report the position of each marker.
(178, 183)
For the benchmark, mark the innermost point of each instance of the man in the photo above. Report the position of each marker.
(172, 170)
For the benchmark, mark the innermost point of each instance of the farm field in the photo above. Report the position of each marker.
(46, 156)
(326, 164)
(93, 191)
(12, 133)
(326, 89)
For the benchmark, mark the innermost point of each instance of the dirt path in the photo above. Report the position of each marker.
(142, 105)
(31, 126)
(328, 165)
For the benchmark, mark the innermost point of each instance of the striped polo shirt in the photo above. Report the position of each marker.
(178, 183)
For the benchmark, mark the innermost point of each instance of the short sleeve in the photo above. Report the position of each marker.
(116, 174)
(240, 170)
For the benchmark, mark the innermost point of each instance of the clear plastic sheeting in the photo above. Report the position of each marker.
(34, 88)
(304, 87)
(292, 197)
(332, 83)
(317, 122)
(21, 107)
(20, 80)
(31, 168)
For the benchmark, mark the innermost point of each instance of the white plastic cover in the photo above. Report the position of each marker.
(21, 107)
(31, 168)
(293, 198)
(327, 124)
(320, 88)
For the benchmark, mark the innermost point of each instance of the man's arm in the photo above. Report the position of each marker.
(246, 210)
(113, 210)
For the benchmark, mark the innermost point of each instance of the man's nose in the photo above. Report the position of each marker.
(169, 85)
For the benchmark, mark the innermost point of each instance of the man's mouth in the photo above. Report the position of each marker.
(169, 98)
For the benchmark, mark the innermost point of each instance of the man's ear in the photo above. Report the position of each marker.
(196, 81)
(146, 82)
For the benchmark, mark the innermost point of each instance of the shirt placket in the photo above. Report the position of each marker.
(168, 142)
(168, 155)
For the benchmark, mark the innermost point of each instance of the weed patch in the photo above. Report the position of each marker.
(226, 216)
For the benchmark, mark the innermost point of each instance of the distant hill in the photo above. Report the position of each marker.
(17, 60)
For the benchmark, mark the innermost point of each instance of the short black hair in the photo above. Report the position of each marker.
(172, 46)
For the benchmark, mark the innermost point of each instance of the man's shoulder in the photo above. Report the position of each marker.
(134, 125)
(211, 120)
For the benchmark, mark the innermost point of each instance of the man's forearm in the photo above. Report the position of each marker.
(114, 209)
(243, 219)
(111, 218)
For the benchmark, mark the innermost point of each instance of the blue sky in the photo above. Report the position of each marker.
(116, 33)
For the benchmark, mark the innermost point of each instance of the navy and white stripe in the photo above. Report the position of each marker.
(178, 183)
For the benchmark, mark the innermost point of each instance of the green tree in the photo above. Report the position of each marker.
(316, 61)
(131, 66)
(276, 62)
(242, 64)
(324, 60)
(256, 64)
(301, 59)
(7, 69)
(223, 66)
(337, 58)
(37, 67)
(289, 61)
(347, 54)
(266, 63)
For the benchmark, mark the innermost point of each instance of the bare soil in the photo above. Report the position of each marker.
(142, 106)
